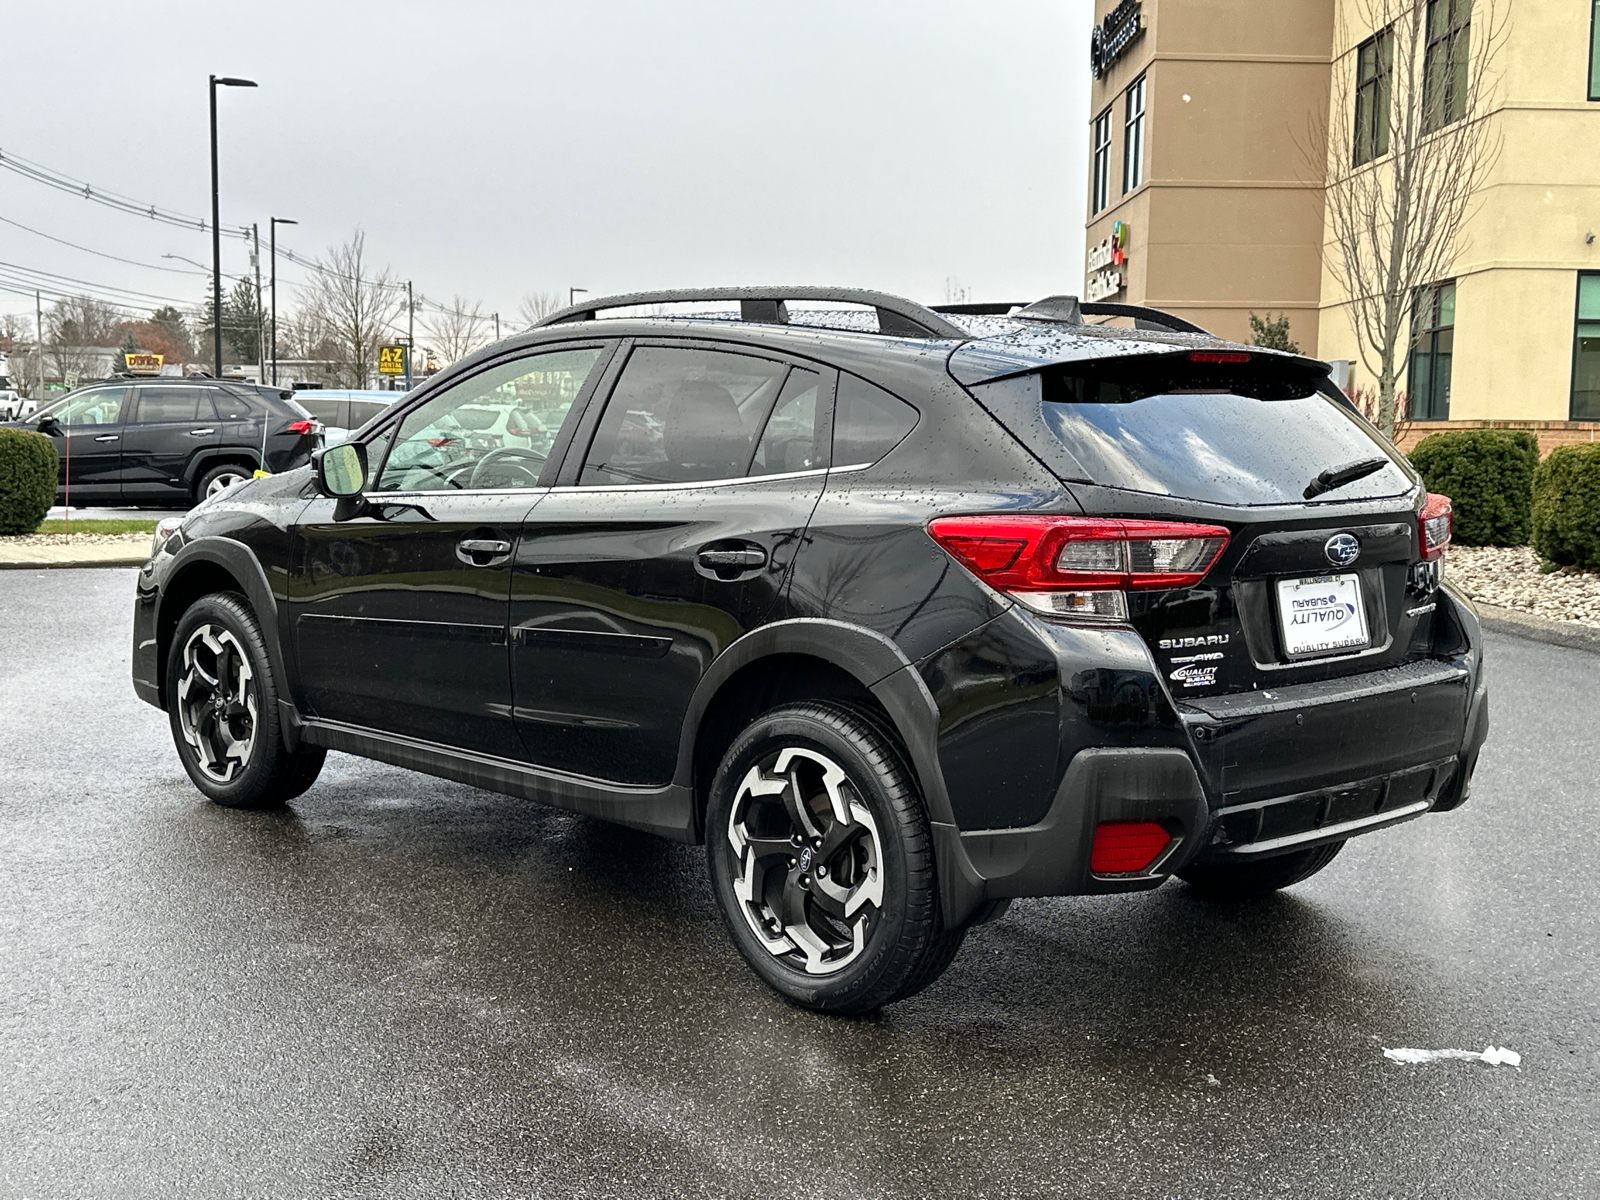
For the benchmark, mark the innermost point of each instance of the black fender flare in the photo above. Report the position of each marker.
(239, 561)
(211, 456)
(883, 669)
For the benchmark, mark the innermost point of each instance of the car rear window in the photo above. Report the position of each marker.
(1218, 434)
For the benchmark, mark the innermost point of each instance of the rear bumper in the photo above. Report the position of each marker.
(1260, 774)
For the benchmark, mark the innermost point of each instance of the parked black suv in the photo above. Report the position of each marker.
(159, 440)
(903, 613)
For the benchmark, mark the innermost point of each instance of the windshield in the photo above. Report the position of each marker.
(1240, 440)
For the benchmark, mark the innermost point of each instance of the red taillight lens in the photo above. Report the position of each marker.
(301, 426)
(1434, 525)
(1037, 553)
(1123, 846)
(1219, 356)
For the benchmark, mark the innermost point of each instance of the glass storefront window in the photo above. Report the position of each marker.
(1102, 161)
(1594, 52)
(1586, 350)
(1433, 333)
(1374, 66)
(1445, 64)
(1133, 137)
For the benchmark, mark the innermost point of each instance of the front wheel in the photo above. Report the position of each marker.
(822, 862)
(1248, 880)
(222, 703)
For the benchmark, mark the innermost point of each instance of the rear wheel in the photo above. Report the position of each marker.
(822, 863)
(1247, 880)
(220, 479)
(222, 703)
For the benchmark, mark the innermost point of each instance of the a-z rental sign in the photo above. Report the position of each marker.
(391, 360)
(1105, 263)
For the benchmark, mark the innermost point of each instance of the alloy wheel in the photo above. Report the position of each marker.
(808, 860)
(222, 483)
(217, 706)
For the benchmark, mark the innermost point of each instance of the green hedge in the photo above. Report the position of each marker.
(1488, 475)
(1566, 506)
(28, 473)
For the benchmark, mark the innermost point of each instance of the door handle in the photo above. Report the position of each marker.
(106, 437)
(743, 560)
(482, 552)
(201, 432)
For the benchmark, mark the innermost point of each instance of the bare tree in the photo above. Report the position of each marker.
(353, 306)
(74, 327)
(536, 306)
(1409, 150)
(458, 330)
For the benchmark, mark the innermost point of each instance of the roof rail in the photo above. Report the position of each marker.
(765, 305)
(995, 308)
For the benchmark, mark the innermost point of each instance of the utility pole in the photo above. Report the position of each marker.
(38, 337)
(411, 331)
(261, 349)
(272, 239)
(497, 327)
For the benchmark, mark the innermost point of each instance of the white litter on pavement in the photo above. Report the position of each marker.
(1495, 1056)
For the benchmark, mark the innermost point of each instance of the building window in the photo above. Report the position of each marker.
(1594, 52)
(1102, 161)
(1444, 65)
(1586, 350)
(1433, 335)
(1133, 138)
(1374, 67)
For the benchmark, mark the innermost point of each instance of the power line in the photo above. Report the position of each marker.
(103, 287)
(101, 253)
(65, 183)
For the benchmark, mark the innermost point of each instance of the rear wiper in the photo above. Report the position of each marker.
(1337, 477)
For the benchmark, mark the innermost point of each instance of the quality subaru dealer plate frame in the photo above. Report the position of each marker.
(1321, 615)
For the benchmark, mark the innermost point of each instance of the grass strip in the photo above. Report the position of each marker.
(87, 526)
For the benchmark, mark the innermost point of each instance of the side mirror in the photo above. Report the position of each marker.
(49, 426)
(341, 470)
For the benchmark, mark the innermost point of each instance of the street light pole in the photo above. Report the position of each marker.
(411, 331)
(255, 261)
(272, 238)
(216, 226)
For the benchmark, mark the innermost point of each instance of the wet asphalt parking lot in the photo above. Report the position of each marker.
(406, 987)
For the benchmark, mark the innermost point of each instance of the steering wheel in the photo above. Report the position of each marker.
(502, 457)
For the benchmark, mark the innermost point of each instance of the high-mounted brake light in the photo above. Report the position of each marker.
(301, 426)
(1435, 524)
(1079, 566)
(1123, 846)
(1219, 356)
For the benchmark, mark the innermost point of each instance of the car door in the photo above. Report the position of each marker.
(672, 537)
(398, 605)
(87, 431)
(168, 426)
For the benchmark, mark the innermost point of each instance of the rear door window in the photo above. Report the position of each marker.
(160, 405)
(685, 415)
(1240, 437)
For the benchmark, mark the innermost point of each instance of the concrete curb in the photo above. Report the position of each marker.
(51, 557)
(1538, 629)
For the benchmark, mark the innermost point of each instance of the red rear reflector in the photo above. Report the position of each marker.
(1435, 523)
(300, 426)
(1039, 553)
(1123, 846)
(1219, 356)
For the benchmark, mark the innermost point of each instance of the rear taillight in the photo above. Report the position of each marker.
(301, 427)
(1434, 525)
(1080, 566)
(1123, 846)
(1219, 356)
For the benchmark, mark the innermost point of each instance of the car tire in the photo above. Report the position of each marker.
(822, 862)
(222, 704)
(219, 479)
(1249, 880)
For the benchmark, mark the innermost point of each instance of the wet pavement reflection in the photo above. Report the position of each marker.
(403, 986)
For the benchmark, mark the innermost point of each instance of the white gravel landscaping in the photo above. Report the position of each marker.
(1508, 576)
(76, 539)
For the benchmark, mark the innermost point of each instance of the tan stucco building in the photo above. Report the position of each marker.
(1208, 144)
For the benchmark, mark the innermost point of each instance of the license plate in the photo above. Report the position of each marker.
(1322, 615)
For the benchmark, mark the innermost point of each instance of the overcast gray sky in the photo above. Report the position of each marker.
(492, 149)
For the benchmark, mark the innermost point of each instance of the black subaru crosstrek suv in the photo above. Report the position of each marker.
(163, 441)
(903, 613)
